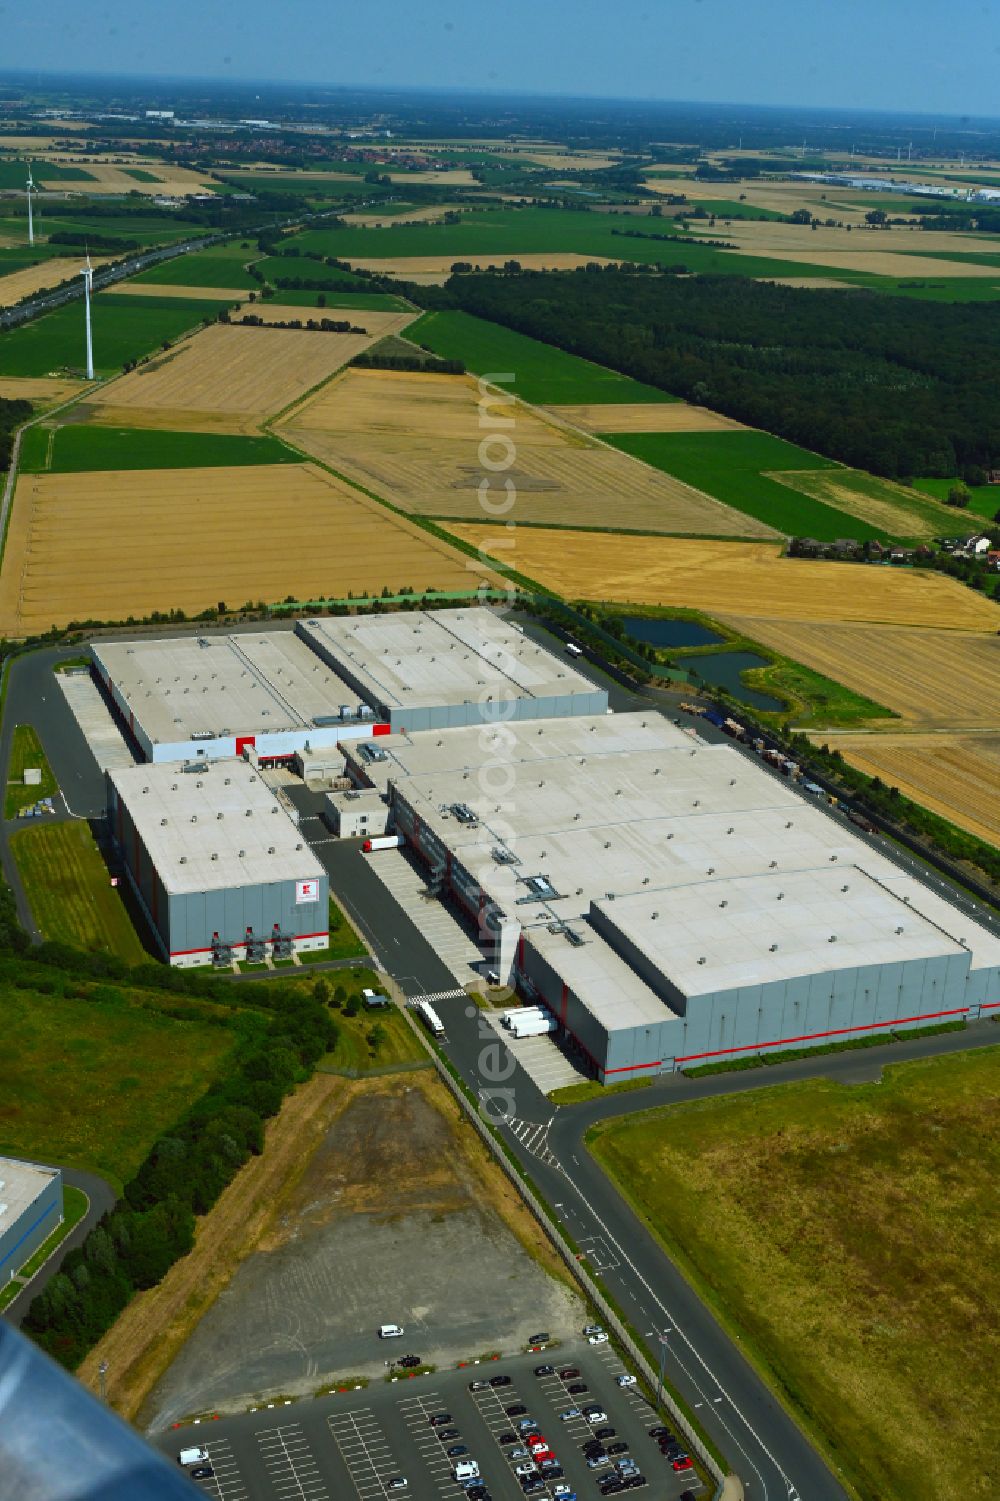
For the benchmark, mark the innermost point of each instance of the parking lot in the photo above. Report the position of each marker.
(364, 1442)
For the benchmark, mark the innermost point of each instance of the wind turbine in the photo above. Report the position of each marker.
(31, 225)
(88, 286)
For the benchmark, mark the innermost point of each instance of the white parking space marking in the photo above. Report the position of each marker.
(417, 1412)
(365, 1451)
(227, 1483)
(290, 1464)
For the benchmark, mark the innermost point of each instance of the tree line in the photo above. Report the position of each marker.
(899, 387)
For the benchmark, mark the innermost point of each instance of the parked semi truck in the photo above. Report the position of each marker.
(382, 842)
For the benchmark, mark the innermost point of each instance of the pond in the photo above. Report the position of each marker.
(724, 671)
(669, 632)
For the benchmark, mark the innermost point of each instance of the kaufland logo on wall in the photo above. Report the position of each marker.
(306, 891)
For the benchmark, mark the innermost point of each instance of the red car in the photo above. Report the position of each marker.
(536, 1441)
(680, 1465)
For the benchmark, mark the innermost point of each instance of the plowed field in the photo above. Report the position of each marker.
(418, 441)
(105, 545)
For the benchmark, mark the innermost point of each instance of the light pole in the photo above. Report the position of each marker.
(102, 1371)
(662, 1337)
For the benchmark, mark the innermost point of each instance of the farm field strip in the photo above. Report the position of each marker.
(644, 417)
(415, 440)
(47, 273)
(378, 323)
(432, 269)
(748, 580)
(136, 288)
(898, 511)
(232, 372)
(954, 775)
(43, 390)
(946, 677)
(108, 544)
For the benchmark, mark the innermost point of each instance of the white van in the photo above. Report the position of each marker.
(466, 1469)
(391, 1331)
(192, 1457)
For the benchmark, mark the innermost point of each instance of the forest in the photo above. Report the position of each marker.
(900, 387)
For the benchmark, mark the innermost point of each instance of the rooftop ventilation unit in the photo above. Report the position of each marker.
(573, 937)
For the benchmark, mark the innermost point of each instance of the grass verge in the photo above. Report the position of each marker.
(26, 750)
(829, 1227)
(590, 1089)
(75, 1206)
(70, 892)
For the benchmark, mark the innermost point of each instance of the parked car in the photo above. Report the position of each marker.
(619, 1448)
(499, 1381)
(626, 1379)
(479, 1386)
(597, 1415)
(525, 1469)
(576, 1387)
(456, 1449)
(597, 1339)
(397, 1483)
(605, 1433)
(595, 1461)
(533, 1487)
(519, 1453)
(536, 1441)
(437, 1418)
(527, 1425)
(516, 1410)
(659, 1430)
(634, 1482)
(552, 1469)
(545, 1370)
(562, 1492)
(610, 1485)
(201, 1472)
(593, 1329)
(569, 1414)
(507, 1438)
(682, 1465)
(409, 1361)
(569, 1373)
(447, 1434)
(539, 1339)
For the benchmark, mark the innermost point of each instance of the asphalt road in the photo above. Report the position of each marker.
(102, 1201)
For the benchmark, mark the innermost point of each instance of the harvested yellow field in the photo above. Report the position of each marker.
(877, 251)
(384, 221)
(868, 498)
(437, 268)
(40, 389)
(449, 177)
(107, 545)
(210, 294)
(377, 323)
(956, 776)
(108, 177)
(644, 417)
(750, 579)
(231, 377)
(52, 273)
(946, 677)
(416, 440)
(814, 283)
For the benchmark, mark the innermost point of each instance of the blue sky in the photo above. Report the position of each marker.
(917, 56)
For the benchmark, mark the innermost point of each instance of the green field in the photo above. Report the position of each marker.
(542, 373)
(983, 506)
(344, 942)
(141, 175)
(359, 1045)
(92, 1082)
(14, 173)
(513, 232)
(219, 266)
(125, 328)
(732, 465)
(76, 448)
(132, 224)
(26, 750)
(342, 297)
(70, 892)
(831, 1227)
(274, 266)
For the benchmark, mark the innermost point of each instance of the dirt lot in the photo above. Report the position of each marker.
(945, 678)
(105, 545)
(18, 284)
(954, 775)
(394, 1213)
(644, 417)
(416, 441)
(231, 376)
(724, 578)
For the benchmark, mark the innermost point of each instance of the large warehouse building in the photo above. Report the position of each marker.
(218, 866)
(31, 1207)
(425, 670)
(671, 901)
(218, 695)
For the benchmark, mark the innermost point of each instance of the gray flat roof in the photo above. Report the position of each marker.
(593, 808)
(427, 658)
(241, 684)
(716, 935)
(212, 828)
(20, 1185)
